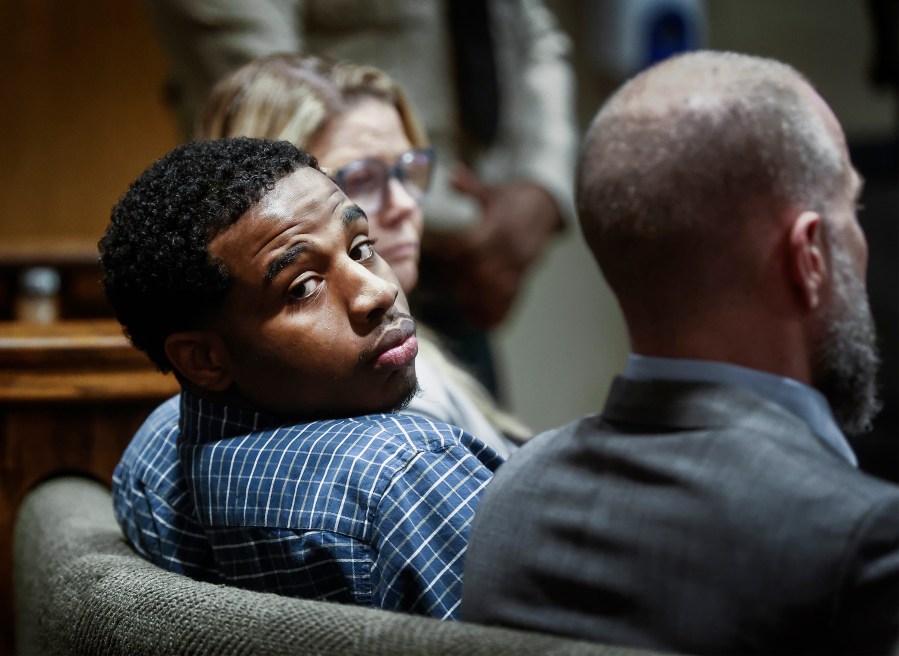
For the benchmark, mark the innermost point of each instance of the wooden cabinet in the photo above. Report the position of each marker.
(72, 395)
(75, 261)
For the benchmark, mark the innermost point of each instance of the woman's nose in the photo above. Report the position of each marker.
(399, 205)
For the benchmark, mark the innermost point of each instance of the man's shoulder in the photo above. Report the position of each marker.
(541, 455)
(391, 434)
(733, 434)
(419, 433)
(153, 448)
(755, 446)
(324, 473)
(164, 418)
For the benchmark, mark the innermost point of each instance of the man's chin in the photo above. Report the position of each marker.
(410, 393)
(401, 399)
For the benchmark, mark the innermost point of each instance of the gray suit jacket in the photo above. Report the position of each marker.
(688, 517)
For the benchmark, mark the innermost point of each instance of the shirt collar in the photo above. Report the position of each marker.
(205, 421)
(803, 401)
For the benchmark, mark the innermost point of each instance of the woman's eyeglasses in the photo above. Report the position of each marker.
(365, 181)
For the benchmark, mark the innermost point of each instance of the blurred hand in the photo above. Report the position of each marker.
(486, 263)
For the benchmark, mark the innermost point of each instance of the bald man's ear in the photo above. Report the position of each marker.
(807, 265)
(201, 357)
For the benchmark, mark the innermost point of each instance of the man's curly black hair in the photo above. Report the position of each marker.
(157, 272)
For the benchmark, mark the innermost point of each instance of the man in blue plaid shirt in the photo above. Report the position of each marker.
(241, 267)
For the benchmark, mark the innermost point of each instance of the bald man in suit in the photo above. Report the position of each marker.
(715, 505)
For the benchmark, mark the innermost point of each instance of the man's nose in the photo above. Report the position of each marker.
(369, 295)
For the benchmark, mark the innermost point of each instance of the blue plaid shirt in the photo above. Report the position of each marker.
(371, 510)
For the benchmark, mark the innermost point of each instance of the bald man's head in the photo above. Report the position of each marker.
(688, 161)
(716, 193)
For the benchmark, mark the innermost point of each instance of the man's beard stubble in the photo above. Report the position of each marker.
(411, 391)
(847, 359)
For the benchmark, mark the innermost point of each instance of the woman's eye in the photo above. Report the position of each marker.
(360, 185)
(367, 179)
(363, 251)
(304, 288)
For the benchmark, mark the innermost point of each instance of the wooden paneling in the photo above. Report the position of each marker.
(80, 294)
(72, 395)
(82, 112)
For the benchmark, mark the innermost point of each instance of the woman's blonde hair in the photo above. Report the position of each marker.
(292, 97)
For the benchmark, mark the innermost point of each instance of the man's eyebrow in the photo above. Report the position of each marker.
(352, 214)
(281, 262)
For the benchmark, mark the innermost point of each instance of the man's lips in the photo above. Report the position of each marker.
(397, 346)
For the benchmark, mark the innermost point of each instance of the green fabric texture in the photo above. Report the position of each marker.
(80, 589)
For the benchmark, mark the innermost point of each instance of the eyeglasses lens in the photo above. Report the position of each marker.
(414, 171)
(365, 180)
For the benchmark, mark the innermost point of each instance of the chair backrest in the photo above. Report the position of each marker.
(79, 589)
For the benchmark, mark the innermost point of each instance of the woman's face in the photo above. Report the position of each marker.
(373, 130)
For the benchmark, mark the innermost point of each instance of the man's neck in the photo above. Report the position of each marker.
(749, 344)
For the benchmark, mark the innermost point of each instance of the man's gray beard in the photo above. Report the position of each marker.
(847, 359)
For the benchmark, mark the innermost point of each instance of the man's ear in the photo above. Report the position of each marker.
(807, 265)
(201, 357)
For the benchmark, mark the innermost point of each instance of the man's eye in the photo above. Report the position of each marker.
(363, 251)
(303, 289)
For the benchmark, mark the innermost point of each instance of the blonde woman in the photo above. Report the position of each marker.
(367, 137)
